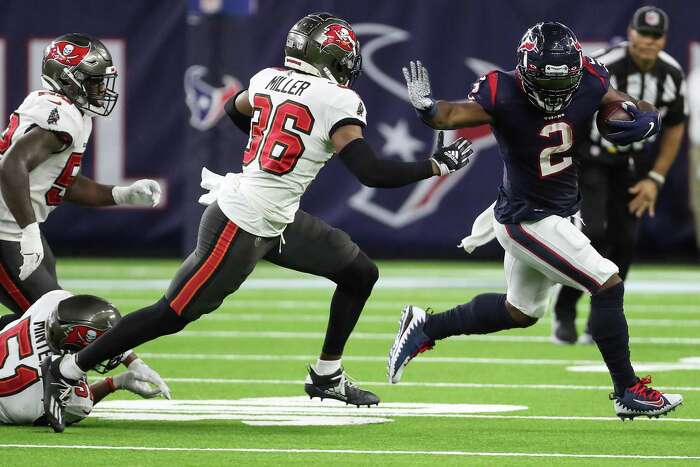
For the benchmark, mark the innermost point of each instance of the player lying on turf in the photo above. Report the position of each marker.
(40, 155)
(61, 322)
(537, 112)
(297, 117)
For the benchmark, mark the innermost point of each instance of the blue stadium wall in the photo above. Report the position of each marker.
(180, 60)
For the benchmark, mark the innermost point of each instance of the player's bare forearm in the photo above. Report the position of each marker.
(101, 389)
(31, 150)
(671, 140)
(129, 358)
(452, 115)
(87, 192)
(14, 182)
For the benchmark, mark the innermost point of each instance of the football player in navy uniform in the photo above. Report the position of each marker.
(296, 117)
(40, 157)
(537, 112)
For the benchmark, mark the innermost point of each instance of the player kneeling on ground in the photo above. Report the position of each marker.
(57, 323)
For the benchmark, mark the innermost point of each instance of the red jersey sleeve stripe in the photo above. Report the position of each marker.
(493, 86)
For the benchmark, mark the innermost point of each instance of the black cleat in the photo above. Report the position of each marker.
(337, 386)
(564, 331)
(57, 393)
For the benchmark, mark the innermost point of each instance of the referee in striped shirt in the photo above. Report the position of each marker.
(620, 183)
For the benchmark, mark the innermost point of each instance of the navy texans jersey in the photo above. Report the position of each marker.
(540, 175)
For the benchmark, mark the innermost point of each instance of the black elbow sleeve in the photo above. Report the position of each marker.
(371, 171)
(242, 121)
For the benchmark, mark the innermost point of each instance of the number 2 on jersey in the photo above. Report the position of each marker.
(548, 168)
(276, 141)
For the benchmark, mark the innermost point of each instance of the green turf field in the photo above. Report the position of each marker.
(257, 345)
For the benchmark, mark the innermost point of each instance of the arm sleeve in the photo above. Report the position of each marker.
(371, 171)
(484, 92)
(346, 108)
(241, 120)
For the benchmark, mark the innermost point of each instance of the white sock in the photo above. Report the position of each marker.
(69, 369)
(327, 367)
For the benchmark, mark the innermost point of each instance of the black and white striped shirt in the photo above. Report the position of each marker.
(663, 86)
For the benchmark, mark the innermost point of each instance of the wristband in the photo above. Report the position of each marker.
(657, 178)
(110, 384)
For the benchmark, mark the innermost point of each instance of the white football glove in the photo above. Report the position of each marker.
(140, 193)
(31, 249)
(418, 84)
(138, 380)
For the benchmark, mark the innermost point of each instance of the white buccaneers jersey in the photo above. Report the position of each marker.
(23, 346)
(48, 181)
(294, 116)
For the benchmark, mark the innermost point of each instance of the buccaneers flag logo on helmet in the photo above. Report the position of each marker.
(341, 36)
(67, 53)
(80, 335)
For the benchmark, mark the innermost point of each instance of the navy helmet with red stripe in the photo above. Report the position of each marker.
(77, 321)
(550, 63)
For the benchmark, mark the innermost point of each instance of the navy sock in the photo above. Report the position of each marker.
(486, 313)
(609, 331)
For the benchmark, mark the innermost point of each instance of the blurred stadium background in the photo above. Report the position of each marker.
(179, 60)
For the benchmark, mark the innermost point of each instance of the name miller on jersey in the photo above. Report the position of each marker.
(42, 345)
(287, 85)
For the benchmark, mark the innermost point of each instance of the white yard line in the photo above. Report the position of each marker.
(351, 451)
(390, 336)
(562, 387)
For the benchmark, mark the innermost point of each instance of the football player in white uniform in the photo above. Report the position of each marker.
(40, 156)
(297, 117)
(62, 322)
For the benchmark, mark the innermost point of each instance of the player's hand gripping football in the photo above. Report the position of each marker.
(418, 84)
(644, 125)
(31, 249)
(140, 193)
(139, 379)
(452, 157)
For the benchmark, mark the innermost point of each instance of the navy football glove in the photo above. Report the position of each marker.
(644, 125)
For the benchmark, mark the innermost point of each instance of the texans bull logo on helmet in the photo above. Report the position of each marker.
(67, 53)
(339, 35)
(528, 43)
(80, 335)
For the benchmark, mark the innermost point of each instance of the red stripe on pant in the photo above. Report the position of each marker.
(206, 269)
(12, 290)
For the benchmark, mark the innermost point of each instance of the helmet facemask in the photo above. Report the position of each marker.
(552, 90)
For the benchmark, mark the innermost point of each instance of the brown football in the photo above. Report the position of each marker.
(610, 111)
